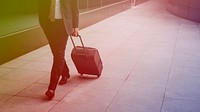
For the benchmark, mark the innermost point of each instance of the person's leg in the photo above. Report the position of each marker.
(58, 50)
(65, 74)
(57, 38)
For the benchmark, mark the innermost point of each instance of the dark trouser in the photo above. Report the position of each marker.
(57, 37)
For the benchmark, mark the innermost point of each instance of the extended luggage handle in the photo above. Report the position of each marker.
(81, 43)
(74, 42)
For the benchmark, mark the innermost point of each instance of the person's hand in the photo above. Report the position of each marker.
(76, 32)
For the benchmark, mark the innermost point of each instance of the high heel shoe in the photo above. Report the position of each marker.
(50, 94)
(64, 80)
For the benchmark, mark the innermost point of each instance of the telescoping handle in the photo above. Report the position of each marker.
(84, 48)
(74, 42)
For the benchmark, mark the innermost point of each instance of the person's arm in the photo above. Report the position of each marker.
(75, 17)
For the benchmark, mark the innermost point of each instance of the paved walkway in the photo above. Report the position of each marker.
(151, 64)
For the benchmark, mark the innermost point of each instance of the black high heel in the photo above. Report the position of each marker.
(50, 94)
(64, 80)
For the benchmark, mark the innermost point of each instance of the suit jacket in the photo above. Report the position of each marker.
(69, 9)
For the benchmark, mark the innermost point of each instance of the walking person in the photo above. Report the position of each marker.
(58, 19)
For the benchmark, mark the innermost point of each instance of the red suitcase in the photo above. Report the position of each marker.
(86, 59)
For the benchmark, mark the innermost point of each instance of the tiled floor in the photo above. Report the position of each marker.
(151, 63)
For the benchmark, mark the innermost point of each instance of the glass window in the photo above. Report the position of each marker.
(15, 12)
(85, 5)
(16, 15)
